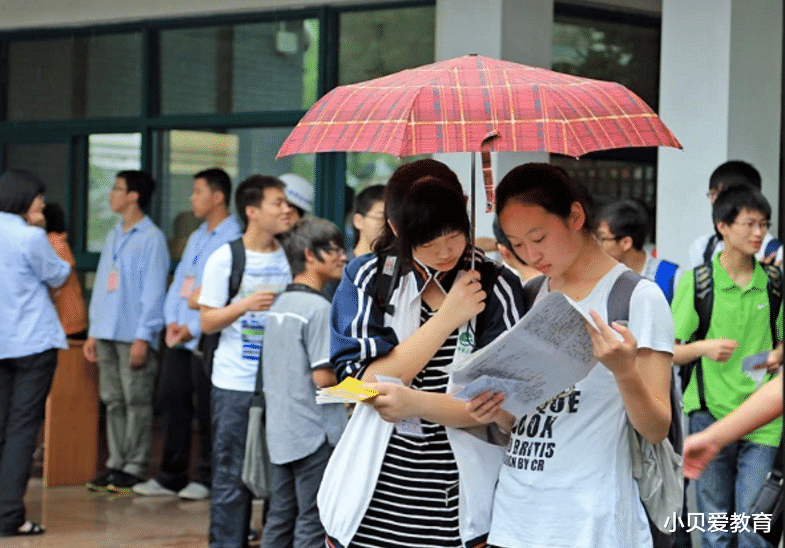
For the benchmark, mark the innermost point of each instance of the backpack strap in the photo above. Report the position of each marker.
(703, 301)
(771, 247)
(708, 253)
(774, 291)
(665, 277)
(619, 310)
(620, 295)
(388, 271)
(238, 267)
(489, 273)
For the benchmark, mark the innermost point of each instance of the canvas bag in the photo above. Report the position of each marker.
(257, 469)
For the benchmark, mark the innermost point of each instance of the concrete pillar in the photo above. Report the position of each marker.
(720, 93)
(513, 30)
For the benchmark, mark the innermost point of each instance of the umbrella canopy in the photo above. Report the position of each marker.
(452, 106)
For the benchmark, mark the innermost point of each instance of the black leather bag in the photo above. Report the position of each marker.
(769, 501)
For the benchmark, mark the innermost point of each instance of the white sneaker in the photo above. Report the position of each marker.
(151, 488)
(194, 491)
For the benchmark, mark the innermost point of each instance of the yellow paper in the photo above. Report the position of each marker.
(350, 389)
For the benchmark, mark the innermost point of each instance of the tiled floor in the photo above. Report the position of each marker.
(77, 518)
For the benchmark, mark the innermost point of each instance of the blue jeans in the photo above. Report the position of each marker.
(729, 484)
(230, 499)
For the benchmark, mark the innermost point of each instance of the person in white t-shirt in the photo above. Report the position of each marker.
(706, 246)
(566, 480)
(262, 207)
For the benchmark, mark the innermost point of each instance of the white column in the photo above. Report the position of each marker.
(720, 93)
(513, 30)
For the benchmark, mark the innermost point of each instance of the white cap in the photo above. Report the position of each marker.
(299, 192)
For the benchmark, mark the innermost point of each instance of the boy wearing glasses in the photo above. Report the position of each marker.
(296, 361)
(126, 317)
(622, 232)
(742, 323)
(730, 173)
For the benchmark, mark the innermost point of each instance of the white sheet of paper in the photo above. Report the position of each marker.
(546, 352)
(748, 364)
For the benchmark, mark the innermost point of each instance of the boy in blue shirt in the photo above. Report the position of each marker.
(126, 317)
(296, 361)
(261, 204)
(183, 373)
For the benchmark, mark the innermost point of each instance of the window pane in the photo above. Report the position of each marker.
(50, 162)
(66, 78)
(376, 43)
(240, 152)
(242, 68)
(605, 50)
(108, 154)
(611, 180)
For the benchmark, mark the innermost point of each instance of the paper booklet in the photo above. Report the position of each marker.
(545, 353)
(349, 390)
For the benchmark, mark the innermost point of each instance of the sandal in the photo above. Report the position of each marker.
(27, 528)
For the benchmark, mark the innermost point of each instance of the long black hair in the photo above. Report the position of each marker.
(18, 189)
(423, 200)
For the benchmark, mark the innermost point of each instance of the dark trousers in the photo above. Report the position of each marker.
(182, 378)
(24, 386)
(293, 518)
(230, 499)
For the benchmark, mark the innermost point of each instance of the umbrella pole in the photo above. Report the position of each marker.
(472, 218)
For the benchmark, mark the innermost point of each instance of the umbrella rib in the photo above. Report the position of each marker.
(616, 104)
(584, 119)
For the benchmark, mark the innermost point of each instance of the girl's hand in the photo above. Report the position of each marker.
(618, 356)
(699, 450)
(464, 301)
(394, 401)
(486, 408)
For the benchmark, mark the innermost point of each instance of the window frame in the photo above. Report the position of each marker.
(329, 168)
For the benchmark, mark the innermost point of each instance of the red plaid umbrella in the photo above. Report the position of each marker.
(452, 106)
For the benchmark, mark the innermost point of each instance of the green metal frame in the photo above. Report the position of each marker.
(330, 168)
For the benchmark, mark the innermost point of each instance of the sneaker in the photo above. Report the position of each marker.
(101, 483)
(151, 488)
(194, 491)
(122, 482)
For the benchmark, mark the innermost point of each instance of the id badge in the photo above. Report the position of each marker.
(112, 281)
(187, 286)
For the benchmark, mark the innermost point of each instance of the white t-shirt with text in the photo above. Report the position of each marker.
(566, 480)
(236, 360)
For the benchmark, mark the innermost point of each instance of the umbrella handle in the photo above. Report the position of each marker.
(473, 216)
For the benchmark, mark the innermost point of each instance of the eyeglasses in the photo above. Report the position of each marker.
(749, 226)
(119, 189)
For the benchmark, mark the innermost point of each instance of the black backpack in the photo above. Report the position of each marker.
(208, 343)
(703, 302)
(618, 307)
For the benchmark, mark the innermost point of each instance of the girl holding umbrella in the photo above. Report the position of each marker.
(426, 481)
(545, 497)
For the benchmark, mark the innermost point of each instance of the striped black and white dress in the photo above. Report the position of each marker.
(415, 503)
